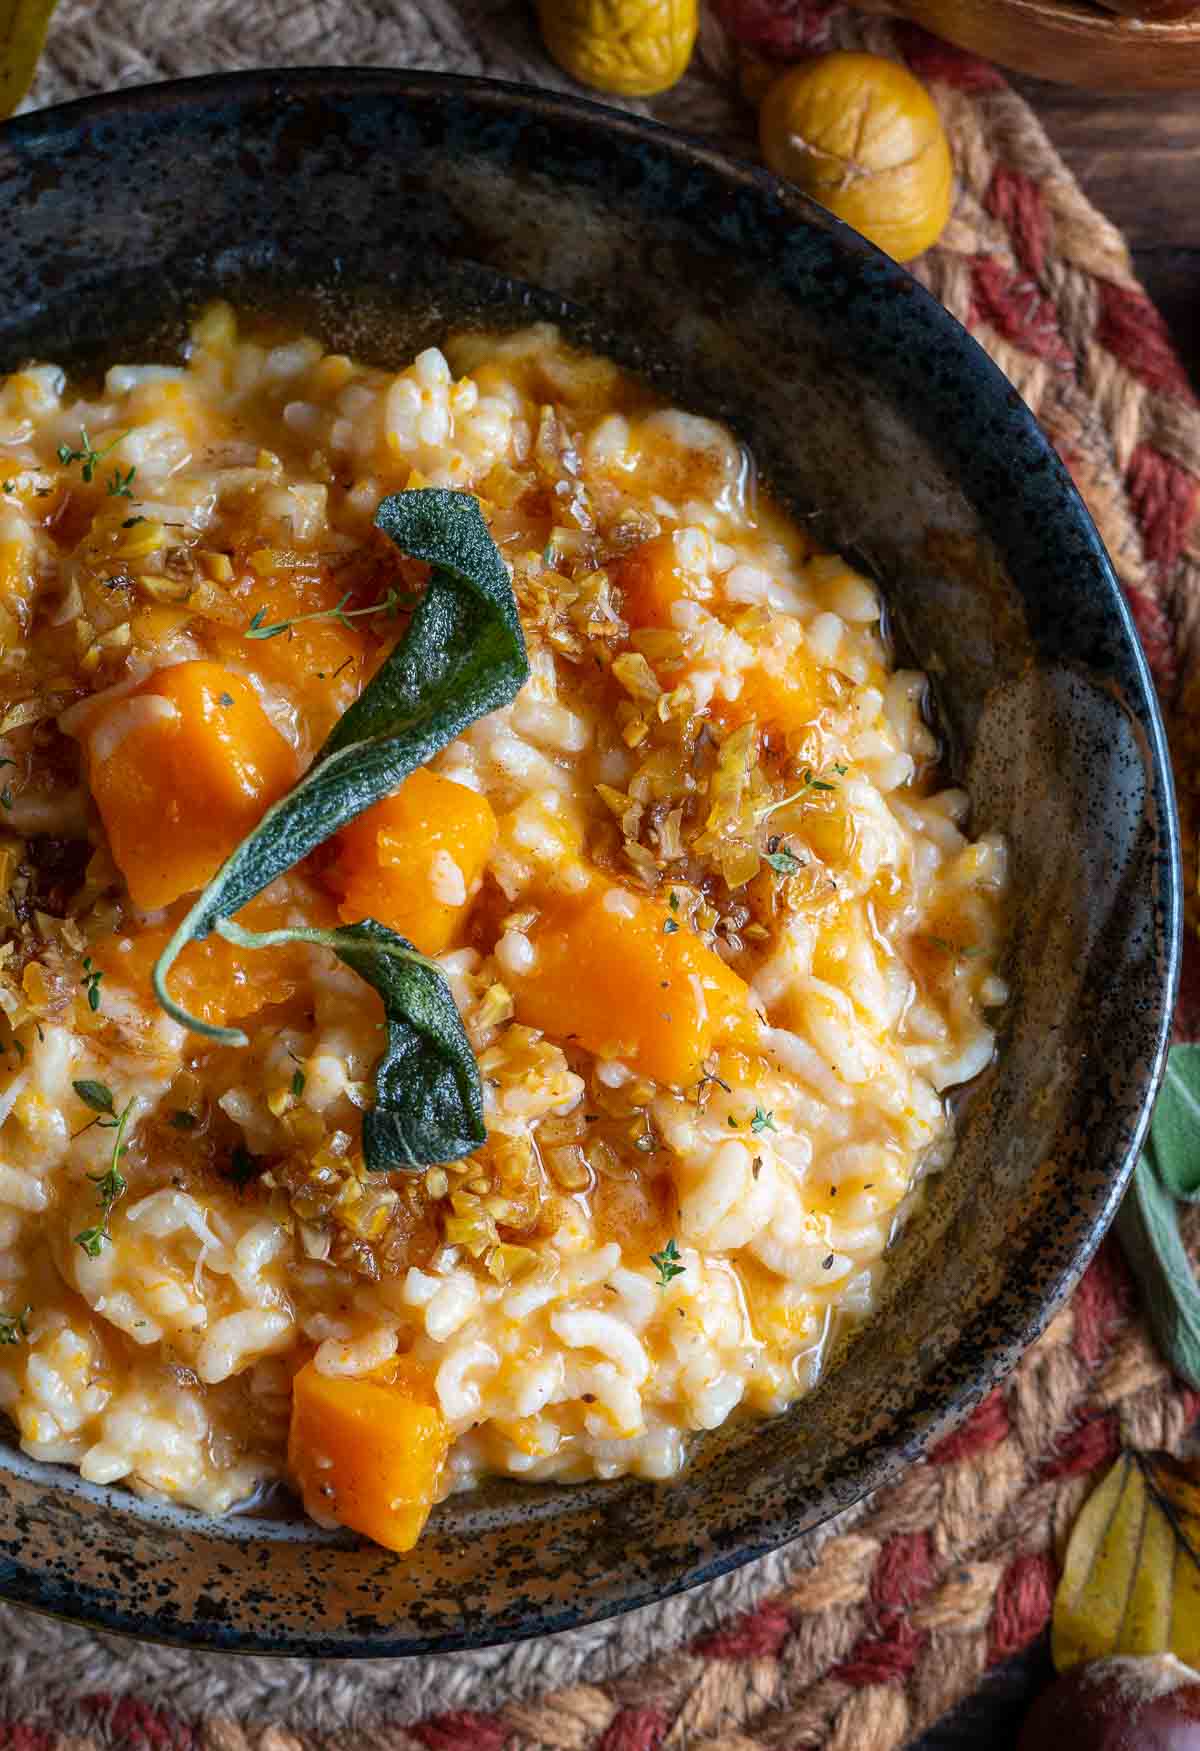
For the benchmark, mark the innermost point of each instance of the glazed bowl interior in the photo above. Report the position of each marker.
(384, 209)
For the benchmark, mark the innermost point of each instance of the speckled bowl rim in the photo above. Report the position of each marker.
(917, 1425)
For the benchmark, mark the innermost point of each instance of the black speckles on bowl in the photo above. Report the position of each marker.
(387, 207)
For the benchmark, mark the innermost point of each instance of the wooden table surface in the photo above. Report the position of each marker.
(1138, 159)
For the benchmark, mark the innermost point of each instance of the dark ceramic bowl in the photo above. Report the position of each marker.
(385, 207)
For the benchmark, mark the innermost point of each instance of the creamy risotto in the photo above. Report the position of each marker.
(719, 939)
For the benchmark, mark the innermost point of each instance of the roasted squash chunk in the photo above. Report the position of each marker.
(786, 696)
(414, 861)
(320, 662)
(213, 979)
(367, 1452)
(651, 581)
(620, 974)
(181, 770)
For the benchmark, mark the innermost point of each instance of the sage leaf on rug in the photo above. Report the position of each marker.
(1167, 1172)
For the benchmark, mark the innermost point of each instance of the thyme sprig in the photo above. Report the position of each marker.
(88, 455)
(392, 603)
(811, 782)
(808, 782)
(110, 1185)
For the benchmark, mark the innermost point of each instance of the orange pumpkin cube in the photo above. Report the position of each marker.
(415, 860)
(181, 770)
(367, 1452)
(651, 581)
(620, 974)
(782, 695)
(216, 980)
(321, 663)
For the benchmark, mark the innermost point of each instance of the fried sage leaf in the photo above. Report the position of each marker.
(462, 656)
(428, 1101)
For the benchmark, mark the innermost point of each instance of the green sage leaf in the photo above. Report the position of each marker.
(1148, 1228)
(1175, 1127)
(428, 1101)
(462, 656)
(464, 652)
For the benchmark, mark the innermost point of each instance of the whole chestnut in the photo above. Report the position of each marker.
(1127, 1703)
(862, 135)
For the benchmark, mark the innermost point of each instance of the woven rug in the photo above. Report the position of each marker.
(861, 1636)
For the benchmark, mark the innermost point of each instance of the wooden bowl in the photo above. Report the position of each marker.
(1072, 41)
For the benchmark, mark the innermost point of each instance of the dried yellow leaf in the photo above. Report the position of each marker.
(23, 26)
(1131, 1579)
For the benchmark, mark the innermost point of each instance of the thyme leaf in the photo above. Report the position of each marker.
(667, 1264)
(96, 1095)
(90, 981)
(783, 862)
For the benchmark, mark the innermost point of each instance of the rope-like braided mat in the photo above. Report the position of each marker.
(858, 1638)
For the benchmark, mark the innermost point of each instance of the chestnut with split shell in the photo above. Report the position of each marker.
(1127, 1703)
(861, 135)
